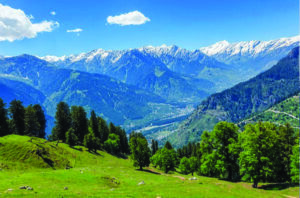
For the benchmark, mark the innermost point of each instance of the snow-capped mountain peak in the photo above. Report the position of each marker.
(250, 48)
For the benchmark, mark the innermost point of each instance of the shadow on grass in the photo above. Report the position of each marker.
(149, 171)
(277, 186)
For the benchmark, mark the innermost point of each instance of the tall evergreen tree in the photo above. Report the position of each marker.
(168, 145)
(39, 112)
(17, 113)
(153, 147)
(286, 140)
(103, 129)
(112, 128)
(71, 138)
(94, 124)
(4, 128)
(32, 125)
(63, 122)
(79, 122)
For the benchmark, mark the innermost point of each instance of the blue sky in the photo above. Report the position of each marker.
(189, 24)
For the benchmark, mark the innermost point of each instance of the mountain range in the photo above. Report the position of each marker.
(137, 88)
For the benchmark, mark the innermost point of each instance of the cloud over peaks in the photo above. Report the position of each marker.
(130, 18)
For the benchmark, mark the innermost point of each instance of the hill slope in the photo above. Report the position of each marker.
(101, 175)
(286, 111)
(244, 99)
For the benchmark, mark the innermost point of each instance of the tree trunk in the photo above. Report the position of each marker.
(255, 184)
(192, 173)
(141, 168)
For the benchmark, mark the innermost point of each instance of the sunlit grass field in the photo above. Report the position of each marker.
(56, 170)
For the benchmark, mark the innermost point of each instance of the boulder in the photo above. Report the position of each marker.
(141, 183)
(22, 187)
(193, 178)
(66, 188)
(29, 188)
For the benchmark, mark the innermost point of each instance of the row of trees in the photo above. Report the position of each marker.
(74, 128)
(21, 120)
(262, 152)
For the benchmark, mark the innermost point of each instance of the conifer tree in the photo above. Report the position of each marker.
(79, 122)
(4, 127)
(71, 138)
(32, 126)
(17, 113)
(94, 124)
(103, 129)
(41, 120)
(63, 122)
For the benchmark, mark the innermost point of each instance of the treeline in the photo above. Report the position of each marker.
(71, 126)
(263, 152)
(74, 128)
(21, 120)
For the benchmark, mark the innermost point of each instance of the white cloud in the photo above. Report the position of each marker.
(77, 30)
(130, 18)
(53, 13)
(16, 25)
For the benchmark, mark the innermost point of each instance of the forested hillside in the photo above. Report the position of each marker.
(242, 100)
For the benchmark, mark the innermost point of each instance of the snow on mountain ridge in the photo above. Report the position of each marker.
(250, 48)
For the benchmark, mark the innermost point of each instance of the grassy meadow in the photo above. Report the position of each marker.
(56, 170)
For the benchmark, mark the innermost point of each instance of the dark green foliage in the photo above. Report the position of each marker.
(112, 144)
(32, 126)
(63, 122)
(208, 158)
(154, 146)
(17, 113)
(124, 147)
(168, 145)
(184, 166)
(225, 136)
(168, 159)
(4, 127)
(193, 164)
(140, 152)
(295, 162)
(112, 128)
(40, 115)
(286, 140)
(71, 138)
(91, 142)
(94, 124)
(242, 100)
(79, 122)
(259, 152)
(103, 129)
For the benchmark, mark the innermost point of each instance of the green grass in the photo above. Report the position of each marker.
(102, 175)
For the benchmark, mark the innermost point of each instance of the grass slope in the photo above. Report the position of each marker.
(101, 175)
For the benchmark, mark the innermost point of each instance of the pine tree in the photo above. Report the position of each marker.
(32, 126)
(4, 127)
(41, 120)
(63, 122)
(71, 138)
(112, 128)
(94, 124)
(153, 147)
(168, 145)
(79, 122)
(17, 113)
(91, 142)
(103, 129)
